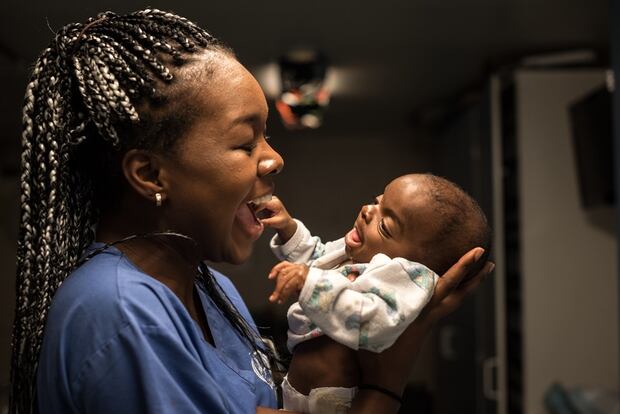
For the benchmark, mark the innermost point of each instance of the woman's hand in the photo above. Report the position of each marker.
(391, 368)
(278, 219)
(290, 278)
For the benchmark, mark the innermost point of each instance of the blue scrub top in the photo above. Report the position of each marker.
(118, 341)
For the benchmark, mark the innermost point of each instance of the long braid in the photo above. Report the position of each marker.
(84, 86)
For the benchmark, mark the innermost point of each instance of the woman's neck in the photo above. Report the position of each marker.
(169, 259)
(172, 260)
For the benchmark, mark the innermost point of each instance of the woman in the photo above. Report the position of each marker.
(148, 131)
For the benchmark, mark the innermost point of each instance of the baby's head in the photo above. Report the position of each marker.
(420, 217)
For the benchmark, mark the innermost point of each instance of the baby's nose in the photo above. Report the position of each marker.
(367, 213)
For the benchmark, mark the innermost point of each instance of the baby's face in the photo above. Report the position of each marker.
(397, 224)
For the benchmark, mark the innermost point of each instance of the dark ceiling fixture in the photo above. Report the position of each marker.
(304, 97)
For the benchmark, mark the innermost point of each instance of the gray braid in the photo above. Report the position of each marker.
(85, 86)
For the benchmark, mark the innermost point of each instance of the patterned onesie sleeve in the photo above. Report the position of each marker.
(372, 311)
(303, 247)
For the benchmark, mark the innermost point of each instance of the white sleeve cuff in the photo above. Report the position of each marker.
(283, 251)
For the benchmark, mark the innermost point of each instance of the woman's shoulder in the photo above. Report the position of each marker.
(105, 294)
(106, 279)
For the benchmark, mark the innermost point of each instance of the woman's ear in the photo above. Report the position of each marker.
(142, 170)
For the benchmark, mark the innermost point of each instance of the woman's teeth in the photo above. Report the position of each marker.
(255, 207)
(260, 200)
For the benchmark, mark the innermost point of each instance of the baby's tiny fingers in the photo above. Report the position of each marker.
(281, 265)
(283, 277)
(286, 291)
(277, 269)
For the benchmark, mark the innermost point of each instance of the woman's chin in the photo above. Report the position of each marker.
(239, 255)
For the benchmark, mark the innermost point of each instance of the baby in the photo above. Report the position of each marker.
(363, 290)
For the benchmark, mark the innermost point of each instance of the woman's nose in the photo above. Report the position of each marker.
(271, 162)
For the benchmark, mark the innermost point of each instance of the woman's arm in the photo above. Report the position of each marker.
(391, 368)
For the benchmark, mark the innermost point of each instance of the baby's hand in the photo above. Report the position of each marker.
(278, 218)
(290, 279)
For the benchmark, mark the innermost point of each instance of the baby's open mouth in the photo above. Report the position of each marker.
(354, 238)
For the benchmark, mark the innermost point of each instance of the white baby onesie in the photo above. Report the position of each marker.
(369, 312)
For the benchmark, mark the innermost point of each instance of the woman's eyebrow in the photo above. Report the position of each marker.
(251, 119)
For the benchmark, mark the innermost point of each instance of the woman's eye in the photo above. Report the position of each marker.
(248, 147)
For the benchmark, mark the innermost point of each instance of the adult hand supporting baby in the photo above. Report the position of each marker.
(391, 368)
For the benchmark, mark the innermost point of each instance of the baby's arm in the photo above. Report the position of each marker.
(293, 241)
(290, 279)
(279, 219)
(371, 312)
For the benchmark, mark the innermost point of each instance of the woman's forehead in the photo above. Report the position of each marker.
(228, 89)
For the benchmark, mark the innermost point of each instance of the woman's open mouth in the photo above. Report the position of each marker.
(246, 218)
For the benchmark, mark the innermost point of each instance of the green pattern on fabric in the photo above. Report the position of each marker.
(420, 275)
(318, 297)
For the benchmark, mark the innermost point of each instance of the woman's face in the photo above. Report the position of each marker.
(223, 164)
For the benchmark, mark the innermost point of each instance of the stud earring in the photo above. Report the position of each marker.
(158, 199)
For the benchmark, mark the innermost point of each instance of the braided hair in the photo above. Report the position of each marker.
(86, 92)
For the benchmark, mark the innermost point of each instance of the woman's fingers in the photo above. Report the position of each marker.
(459, 271)
(472, 283)
(440, 308)
(467, 287)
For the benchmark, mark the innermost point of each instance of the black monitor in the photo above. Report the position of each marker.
(592, 130)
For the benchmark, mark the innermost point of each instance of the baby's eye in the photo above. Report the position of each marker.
(382, 229)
